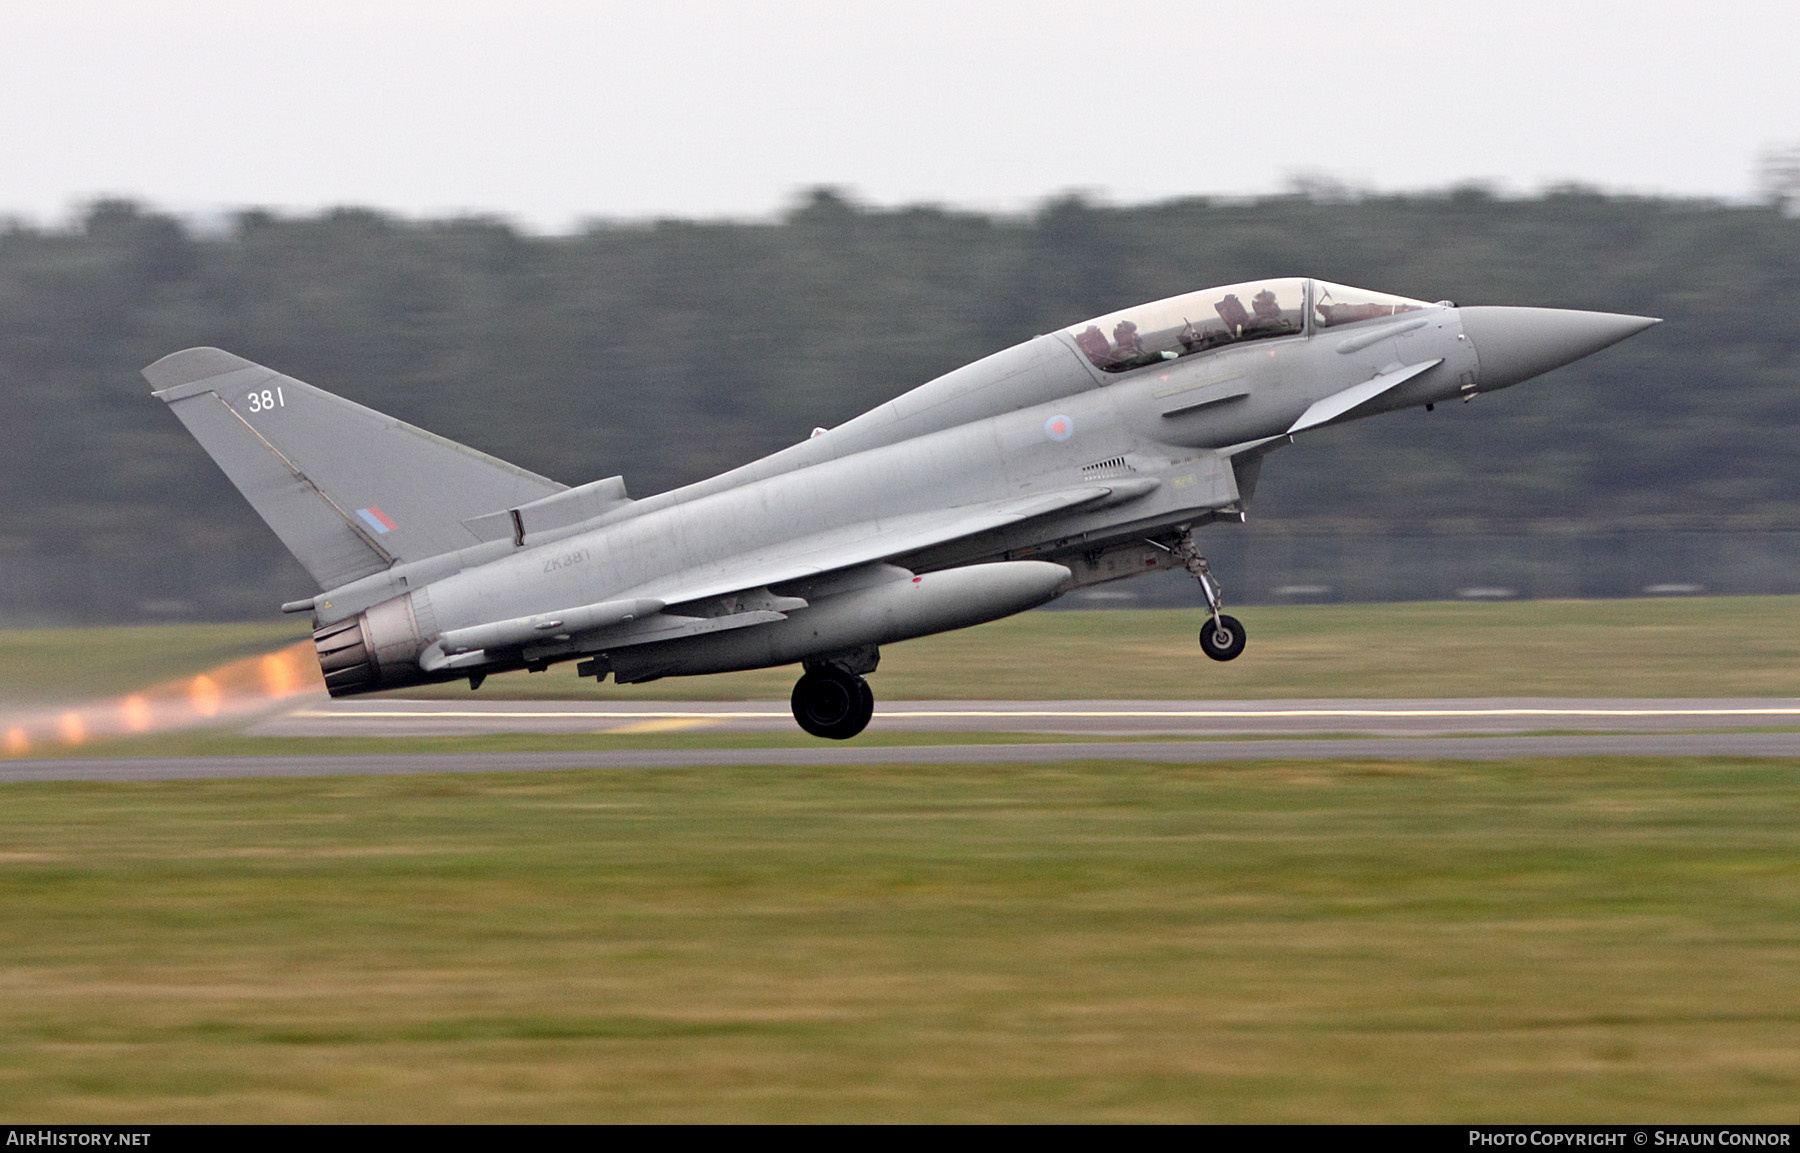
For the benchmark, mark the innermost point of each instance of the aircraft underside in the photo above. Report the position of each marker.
(833, 627)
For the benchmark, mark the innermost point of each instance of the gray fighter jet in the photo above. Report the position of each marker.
(1086, 455)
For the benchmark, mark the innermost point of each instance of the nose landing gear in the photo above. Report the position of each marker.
(832, 702)
(1224, 637)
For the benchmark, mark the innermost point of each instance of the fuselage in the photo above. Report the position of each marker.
(1164, 411)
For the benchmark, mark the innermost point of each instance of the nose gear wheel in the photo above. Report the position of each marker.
(1222, 638)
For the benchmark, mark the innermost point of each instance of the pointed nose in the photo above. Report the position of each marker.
(1514, 344)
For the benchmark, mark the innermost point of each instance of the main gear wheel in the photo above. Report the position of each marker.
(833, 703)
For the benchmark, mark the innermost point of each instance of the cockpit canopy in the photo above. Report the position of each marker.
(1183, 325)
(1197, 321)
(1337, 304)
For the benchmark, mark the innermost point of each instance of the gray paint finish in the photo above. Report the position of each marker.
(1086, 450)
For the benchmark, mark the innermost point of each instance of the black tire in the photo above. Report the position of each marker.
(833, 704)
(867, 710)
(1223, 639)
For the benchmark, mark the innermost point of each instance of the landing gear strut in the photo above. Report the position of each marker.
(1223, 638)
(833, 702)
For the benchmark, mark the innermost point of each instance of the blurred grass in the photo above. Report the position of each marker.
(1571, 940)
(73, 664)
(1720, 646)
(1701, 647)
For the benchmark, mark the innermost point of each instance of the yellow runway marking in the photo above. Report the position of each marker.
(664, 725)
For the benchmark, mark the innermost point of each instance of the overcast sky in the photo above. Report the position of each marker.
(549, 112)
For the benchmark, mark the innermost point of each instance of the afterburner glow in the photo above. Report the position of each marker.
(231, 690)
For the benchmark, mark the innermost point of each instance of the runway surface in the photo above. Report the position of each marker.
(1160, 752)
(1343, 729)
(320, 717)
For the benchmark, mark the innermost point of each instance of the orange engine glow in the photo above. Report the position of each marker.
(206, 697)
(240, 688)
(136, 711)
(278, 678)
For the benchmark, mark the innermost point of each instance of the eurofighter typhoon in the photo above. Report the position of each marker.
(1082, 456)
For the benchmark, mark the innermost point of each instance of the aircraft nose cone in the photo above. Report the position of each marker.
(1514, 344)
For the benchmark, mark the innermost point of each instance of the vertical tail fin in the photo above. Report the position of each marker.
(348, 490)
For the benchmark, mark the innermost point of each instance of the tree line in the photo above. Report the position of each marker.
(668, 350)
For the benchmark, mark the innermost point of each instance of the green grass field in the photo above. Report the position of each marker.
(1549, 940)
(1724, 646)
(1575, 940)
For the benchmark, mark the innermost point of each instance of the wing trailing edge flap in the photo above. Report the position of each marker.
(738, 589)
(614, 625)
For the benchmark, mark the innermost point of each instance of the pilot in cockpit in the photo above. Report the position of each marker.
(1231, 310)
(1093, 342)
(1126, 338)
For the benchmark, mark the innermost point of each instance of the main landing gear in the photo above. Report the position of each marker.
(1223, 638)
(832, 702)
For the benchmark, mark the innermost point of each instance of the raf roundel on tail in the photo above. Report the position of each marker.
(1086, 455)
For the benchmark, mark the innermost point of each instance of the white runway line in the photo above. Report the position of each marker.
(1090, 714)
(1783, 746)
